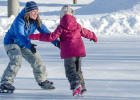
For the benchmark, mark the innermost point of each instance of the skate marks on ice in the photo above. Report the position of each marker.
(97, 89)
(111, 70)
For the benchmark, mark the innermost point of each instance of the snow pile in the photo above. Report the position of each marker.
(106, 6)
(5, 24)
(112, 16)
(108, 17)
(113, 24)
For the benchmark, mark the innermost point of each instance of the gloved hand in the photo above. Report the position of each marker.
(95, 40)
(35, 36)
(33, 49)
(58, 44)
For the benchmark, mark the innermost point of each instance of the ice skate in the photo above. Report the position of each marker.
(77, 90)
(82, 92)
(6, 88)
(47, 85)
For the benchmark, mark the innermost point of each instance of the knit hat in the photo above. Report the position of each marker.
(31, 5)
(66, 9)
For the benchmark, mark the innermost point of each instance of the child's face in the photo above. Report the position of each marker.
(33, 14)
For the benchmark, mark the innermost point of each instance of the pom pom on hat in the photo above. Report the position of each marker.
(31, 5)
(66, 10)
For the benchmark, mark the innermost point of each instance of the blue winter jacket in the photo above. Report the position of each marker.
(18, 34)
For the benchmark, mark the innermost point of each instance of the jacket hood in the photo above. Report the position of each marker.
(69, 22)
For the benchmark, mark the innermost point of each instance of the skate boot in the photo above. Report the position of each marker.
(77, 90)
(46, 85)
(82, 92)
(6, 88)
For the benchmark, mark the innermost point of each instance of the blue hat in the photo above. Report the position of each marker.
(31, 5)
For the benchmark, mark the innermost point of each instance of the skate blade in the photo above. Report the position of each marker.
(48, 88)
(6, 91)
(76, 95)
(81, 95)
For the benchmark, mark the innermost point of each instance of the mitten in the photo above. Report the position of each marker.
(35, 36)
(58, 44)
(95, 40)
(33, 49)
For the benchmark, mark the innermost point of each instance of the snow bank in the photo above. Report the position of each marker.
(112, 16)
(106, 6)
(113, 24)
(107, 17)
(5, 24)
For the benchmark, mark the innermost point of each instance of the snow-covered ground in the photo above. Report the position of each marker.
(112, 66)
(100, 16)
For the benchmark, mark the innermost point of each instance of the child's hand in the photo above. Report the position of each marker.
(95, 40)
(34, 36)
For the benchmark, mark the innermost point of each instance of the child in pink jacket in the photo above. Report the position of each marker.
(71, 45)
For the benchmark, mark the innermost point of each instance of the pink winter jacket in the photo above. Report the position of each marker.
(69, 32)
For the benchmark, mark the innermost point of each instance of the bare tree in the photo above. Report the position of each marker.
(13, 7)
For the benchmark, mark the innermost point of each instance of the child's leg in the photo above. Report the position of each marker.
(79, 71)
(70, 70)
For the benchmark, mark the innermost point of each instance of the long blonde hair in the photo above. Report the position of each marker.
(27, 17)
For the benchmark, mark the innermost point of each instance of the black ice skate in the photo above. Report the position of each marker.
(6, 88)
(46, 85)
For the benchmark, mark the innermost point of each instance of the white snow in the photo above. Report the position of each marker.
(112, 66)
(100, 16)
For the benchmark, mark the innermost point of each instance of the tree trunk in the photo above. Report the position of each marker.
(74, 1)
(13, 7)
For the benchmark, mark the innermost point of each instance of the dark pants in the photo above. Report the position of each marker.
(73, 71)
